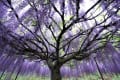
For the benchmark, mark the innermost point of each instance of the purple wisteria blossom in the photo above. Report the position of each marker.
(59, 38)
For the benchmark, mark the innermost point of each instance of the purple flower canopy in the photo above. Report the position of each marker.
(34, 31)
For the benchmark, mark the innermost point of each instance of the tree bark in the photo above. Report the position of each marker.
(55, 73)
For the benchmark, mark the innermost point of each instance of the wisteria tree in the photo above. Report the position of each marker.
(57, 31)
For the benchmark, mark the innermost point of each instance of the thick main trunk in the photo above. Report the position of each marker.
(55, 73)
(54, 67)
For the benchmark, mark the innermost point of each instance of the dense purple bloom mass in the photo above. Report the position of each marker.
(57, 37)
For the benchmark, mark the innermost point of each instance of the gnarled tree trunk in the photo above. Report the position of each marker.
(55, 73)
(55, 70)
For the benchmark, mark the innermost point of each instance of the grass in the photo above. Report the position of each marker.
(96, 77)
(83, 77)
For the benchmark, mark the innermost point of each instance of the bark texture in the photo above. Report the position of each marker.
(55, 73)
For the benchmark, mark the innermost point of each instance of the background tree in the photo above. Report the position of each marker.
(58, 31)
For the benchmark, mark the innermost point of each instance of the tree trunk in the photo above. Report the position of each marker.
(55, 73)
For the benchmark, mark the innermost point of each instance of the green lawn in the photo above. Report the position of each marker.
(84, 77)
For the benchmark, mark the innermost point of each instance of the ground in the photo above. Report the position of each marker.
(84, 77)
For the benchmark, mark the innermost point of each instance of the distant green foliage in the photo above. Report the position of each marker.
(116, 40)
(118, 13)
(34, 23)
